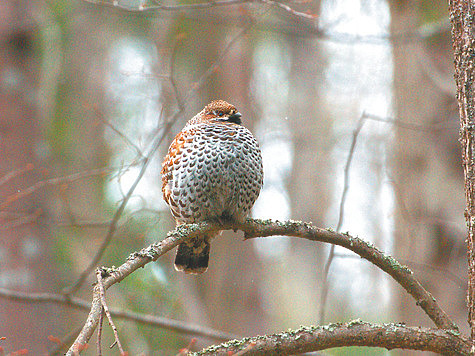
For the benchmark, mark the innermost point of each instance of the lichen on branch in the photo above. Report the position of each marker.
(254, 228)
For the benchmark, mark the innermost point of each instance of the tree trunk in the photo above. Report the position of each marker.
(426, 176)
(25, 262)
(461, 14)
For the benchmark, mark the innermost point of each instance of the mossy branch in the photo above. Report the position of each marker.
(253, 228)
(354, 333)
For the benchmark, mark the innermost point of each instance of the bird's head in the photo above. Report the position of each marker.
(221, 111)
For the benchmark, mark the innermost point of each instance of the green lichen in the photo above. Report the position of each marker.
(107, 271)
(356, 322)
(454, 332)
(235, 344)
(396, 265)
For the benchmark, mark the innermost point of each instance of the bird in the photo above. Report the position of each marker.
(212, 172)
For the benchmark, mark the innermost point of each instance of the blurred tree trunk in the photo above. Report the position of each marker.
(25, 263)
(226, 296)
(75, 127)
(232, 287)
(426, 164)
(309, 186)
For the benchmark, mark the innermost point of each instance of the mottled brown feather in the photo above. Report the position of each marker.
(213, 171)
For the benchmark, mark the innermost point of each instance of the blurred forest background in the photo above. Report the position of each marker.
(339, 93)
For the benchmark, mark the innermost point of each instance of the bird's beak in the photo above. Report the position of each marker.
(236, 117)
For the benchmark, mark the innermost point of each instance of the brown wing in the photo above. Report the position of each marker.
(174, 155)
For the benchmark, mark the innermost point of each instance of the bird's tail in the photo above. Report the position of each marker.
(192, 256)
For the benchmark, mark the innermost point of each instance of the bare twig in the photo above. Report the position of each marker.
(63, 344)
(290, 10)
(54, 181)
(22, 220)
(122, 135)
(423, 267)
(437, 126)
(105, 310)
(354, 333)
(99, 334)
(341, 215)
(200, 6)
(261, 228)
(179, 100)
(155, 321)
(422, 33)
(184, 351)
(365, 116)
(171, 8)
(13, 174)
(118, 213)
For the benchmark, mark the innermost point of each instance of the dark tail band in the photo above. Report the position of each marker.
(193, 256)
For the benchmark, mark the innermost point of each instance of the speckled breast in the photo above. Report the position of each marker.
(212, 171)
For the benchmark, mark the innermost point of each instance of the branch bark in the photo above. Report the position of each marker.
(260, 228)
(354, 333)
(463, 37)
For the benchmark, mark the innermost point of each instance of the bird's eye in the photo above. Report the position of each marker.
(218, 113)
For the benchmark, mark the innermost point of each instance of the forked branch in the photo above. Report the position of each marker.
(260, 228)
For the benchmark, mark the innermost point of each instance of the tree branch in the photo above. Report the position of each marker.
(341, 216)
(201, 6)
(354, 333)
(156, 321)
(260, 228)
(401, 274)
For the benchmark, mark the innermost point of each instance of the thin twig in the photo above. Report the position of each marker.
(13, 174)
(155, 321)
(171, 8)
(289, 9)
(437, 126)
(341, 215)
(99, 334)
(54, 181)
(23, 220)
(63, 344)
(184, 351)
(118, 213)
(122, 135)
(423, 267)
(365, 116)
(200, 6)
(105, 310)
(172, 80)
